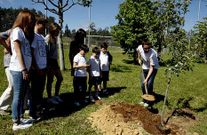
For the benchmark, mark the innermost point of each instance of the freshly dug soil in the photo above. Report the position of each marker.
(127, 119)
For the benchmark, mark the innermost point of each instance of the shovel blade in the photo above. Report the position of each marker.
(148, 97)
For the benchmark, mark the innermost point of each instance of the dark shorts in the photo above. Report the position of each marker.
(105, 75)
(95, 80)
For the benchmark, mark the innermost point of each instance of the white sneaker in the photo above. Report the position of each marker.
(26, 121)
(53, 101)
(58, 99)
(141, 103)
(3, 112)
(146, 105)
(98, 98)
(91, 99)
(20, 126)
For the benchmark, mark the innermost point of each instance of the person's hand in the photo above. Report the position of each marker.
(84, 66)
(25, 74)
(140, 61)
(145, 82)
(87, 65)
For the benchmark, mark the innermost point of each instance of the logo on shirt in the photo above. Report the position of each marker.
(26, 48)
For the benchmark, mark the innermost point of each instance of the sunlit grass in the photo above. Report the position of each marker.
(124, 76)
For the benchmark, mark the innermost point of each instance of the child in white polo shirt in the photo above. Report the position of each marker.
(105, 61)
(94, 74)
(80, 75)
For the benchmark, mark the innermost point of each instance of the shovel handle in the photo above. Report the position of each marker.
(145, 87)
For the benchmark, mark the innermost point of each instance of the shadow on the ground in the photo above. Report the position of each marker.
(158, 98)
(201, 109)
(120, 68)
(128, 61)
(112, 91)
(67, 107)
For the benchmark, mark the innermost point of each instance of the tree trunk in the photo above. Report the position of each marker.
(61, 52)
(60, 43)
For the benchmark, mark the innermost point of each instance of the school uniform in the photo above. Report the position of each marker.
(105, 61)
(95, 71)
(80, 78)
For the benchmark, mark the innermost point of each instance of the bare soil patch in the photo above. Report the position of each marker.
(127, 119)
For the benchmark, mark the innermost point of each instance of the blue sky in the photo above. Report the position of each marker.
(103, 12)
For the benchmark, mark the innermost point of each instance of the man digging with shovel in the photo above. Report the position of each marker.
(147, 58)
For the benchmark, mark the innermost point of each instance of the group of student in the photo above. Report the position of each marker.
(31, 60)
(98, 68)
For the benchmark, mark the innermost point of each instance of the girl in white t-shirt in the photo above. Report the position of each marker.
(21, 38)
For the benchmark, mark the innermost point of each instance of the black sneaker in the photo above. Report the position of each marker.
(105, 91)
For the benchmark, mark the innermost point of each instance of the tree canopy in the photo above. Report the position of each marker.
(8, 16)
(139, 19)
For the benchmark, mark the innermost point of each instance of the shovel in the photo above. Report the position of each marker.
(147, 96)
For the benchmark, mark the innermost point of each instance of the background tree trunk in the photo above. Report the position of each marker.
(60, 43)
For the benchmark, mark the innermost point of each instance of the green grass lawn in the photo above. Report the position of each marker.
(125, 82)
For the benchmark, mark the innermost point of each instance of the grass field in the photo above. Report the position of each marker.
(125, 82)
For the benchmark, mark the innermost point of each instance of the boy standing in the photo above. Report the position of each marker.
(80, 75)
(95, 74)
(105, 61)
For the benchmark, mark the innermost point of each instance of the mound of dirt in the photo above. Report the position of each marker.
(127, 119)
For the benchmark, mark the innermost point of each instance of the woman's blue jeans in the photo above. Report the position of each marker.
(150, 81)
(19, 91)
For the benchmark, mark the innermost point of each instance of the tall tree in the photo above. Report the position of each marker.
(139, 19)
(8, 15)
(59, 7)
(199, 39)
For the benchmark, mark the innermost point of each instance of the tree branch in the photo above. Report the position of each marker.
(55, 5)
(69, 7)
(53, 11)
(66, 4)
(46, 7)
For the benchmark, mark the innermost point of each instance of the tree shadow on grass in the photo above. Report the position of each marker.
(120, 68)
(112, 91)
(67, 107)
(128, 61)
(201, 109)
